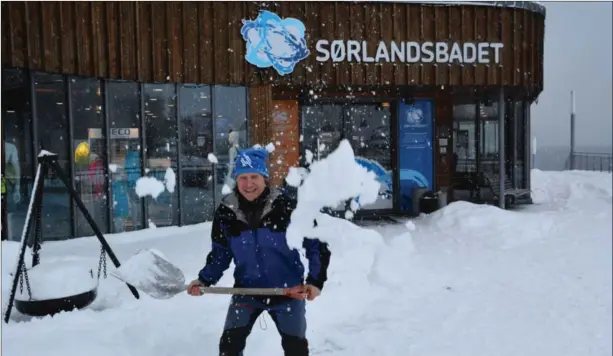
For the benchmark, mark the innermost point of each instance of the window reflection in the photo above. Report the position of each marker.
(123, 100)
(197, 201)
(89, 147)
(52, 121)
(17, 157)
(230, 105)
(106, 177)
(161, 156)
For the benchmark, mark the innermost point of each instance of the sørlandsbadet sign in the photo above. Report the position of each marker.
(280, 43)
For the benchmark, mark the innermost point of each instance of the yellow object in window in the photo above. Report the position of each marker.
(81, 153)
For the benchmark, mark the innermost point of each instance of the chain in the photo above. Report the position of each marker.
(102, 263)
(24, 274)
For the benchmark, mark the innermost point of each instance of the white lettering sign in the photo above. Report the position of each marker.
(124, 133)
(408, 52)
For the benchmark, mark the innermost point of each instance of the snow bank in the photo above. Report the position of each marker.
(438, 285)
(486, 225)
(571, 189)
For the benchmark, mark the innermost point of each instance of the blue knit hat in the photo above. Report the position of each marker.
(251, 160)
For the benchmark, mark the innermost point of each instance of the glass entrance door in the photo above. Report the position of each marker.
(366, 127)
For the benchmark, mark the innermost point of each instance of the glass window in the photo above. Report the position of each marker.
(52, 121)
(464, 138)
(197, 200)
(521, 171)
(488, 145)
(161, 156)
(322, 129)
(17, 158)
(123, 105)
(230, 104)
(89, 152)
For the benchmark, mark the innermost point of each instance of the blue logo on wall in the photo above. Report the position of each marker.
(274, 42)
(415, 116)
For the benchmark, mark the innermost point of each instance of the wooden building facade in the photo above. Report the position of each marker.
(201, 43)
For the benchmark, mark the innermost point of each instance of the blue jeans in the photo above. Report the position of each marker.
(289, 316)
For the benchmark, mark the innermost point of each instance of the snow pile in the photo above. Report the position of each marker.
(330, 181)
(487, 225)
(571, 189)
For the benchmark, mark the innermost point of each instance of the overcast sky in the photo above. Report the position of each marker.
(577, 56)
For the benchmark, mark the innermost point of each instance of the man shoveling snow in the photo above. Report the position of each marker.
(249, 227)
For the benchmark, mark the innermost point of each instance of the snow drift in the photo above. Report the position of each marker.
(466, 280)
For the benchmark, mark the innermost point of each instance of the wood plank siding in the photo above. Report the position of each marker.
(200, 42)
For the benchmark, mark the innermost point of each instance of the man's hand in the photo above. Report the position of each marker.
(303, 292)
(194, 288)
(311, 292)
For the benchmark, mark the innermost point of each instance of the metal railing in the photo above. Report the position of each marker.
(586, 161)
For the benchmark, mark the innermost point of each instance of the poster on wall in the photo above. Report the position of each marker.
(415, 163)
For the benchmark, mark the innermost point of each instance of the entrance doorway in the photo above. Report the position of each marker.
(368, 130)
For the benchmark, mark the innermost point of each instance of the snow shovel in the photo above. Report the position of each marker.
(151, 273)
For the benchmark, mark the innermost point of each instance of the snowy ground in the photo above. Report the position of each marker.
(467, 280)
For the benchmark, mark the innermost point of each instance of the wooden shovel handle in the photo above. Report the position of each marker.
(295, 292)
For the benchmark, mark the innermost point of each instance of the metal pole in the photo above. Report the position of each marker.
(501, 151)
(38, 186)
(572, 130)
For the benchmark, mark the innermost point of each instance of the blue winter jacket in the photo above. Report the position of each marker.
(259, 250)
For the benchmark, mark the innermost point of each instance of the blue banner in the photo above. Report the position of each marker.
(415, 161)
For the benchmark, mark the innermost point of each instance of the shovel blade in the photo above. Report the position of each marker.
(152, 274)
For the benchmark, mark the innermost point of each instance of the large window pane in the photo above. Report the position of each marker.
(17, 157)
(161, 155)
(123, 105)
(322, 129)
(519, 115)
(89, 152)
(230, 114)
(488, 144)
(196, 143)
(464, 138)
(52, 121)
